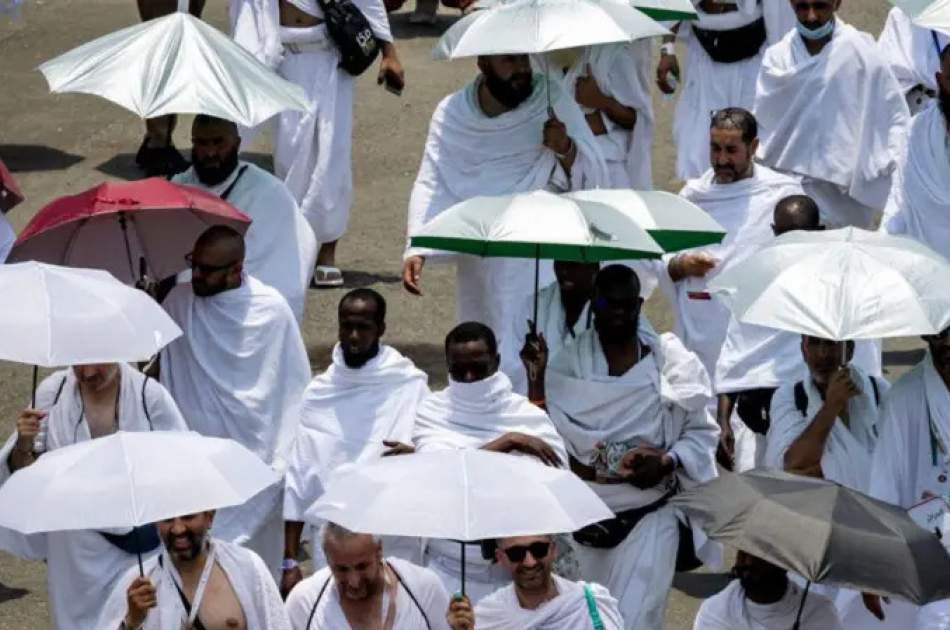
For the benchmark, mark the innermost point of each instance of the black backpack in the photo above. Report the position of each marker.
(350, 31)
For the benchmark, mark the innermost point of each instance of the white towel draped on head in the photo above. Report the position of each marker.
(245, 571)
(919, 205)
(847, 455)
(346, 414)
(838, 116)
(568, 611)
(469, 415)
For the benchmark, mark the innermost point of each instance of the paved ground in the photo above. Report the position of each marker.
(62, 144)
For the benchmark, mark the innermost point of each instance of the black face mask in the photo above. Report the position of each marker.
(509, 93)
(214, 175)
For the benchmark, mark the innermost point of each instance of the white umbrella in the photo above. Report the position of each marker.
(175, 65)
(54, 316)
(536, 26)
(460, 494)
(840, 284)
(129, 479)
(932, 14)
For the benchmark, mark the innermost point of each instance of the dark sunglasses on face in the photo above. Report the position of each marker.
(205, 269)
(539, 550)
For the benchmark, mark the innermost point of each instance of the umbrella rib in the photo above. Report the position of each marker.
(131, 478)
(465, 496)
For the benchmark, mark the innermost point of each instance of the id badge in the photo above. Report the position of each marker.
(934, 516)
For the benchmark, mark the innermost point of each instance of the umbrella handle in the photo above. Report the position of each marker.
(801, 607)
(462, 545)
(36, 370)
(537, 281)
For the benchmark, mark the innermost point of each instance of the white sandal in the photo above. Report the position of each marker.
(326, 276)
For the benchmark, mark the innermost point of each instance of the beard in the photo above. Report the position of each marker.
(615, 332)
(212, 175)
(359, 359)
(195, 544)
(511, 92)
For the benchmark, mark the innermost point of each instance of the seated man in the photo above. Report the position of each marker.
(359, 587)
(281, 247)
(367, 396)
(762, 598)
(827, 424)
(632, 409)
(238, 372)
(537, 598)
(74, 405)
(479, 410)
(197, 581)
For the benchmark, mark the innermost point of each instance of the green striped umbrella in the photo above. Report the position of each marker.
(667, 10)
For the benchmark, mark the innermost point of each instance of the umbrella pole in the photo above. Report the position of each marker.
(462, 545)
(36, 370)
(537, 281)
(801, 607)
(128, 248)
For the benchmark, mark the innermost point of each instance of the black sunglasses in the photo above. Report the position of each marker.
(205, 269)
(539, 550)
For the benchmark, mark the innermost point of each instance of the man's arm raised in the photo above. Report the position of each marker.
(27, 428)
(803, 457)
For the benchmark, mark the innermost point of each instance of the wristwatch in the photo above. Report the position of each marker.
(288, 564)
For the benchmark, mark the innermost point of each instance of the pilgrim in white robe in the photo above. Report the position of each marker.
(82, 565)
(912, 463)
(730, 609)
(346, 414)
(919, 205)
(838, 119)
(568, 611)
(239, 372)
(312, 149)
(709, 85)
(469, 415)
(248, 576)
(662, 401)
(281, 248)
(622, 72)
(421, 601)
(913, 53)
(467, 154)
(745, 209)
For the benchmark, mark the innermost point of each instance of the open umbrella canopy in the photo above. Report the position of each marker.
(667, 10)
(826, 533)
(840, 284)
(54, 316)
(131, 479)
(175, 65)
(673, 222)
(932, 14)
(536, 26)
(115, 224)
(536, 225)
(460, 494)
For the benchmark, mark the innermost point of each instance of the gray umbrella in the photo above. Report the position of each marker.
(824, 532)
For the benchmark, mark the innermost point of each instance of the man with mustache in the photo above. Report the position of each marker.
(919, 205)
(197, 581)
(761, 597)
(845, 160)
(74, 405)
(911, 463)
(281, 247)
(537, 598)
(508, 131)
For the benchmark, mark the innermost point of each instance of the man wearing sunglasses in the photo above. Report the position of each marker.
(536, 598)
(832, 112)
(633, 408)
(239, 372)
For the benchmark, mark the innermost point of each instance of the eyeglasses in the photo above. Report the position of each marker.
(539, 550)
(205, 269)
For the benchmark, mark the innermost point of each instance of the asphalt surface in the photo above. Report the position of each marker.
(62, 144)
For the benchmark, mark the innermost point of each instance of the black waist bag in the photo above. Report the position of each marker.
(609, 533)
(735, 45)
(753, 406)
(351, 33)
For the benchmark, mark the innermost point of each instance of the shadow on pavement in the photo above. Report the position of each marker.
(122, 166)
(9, 593)
(905, 358)
(403, 29)
(700, 585)
(22, 158)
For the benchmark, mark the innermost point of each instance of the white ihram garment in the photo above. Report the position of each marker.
(82, 565)
(467, 154)
(239, 372)
(846, 159)
(248, 576)
(568, 611)
(919, 205)
(913, 52)
(281, 249)
(662, 401)
(730, 609)
(469, 415)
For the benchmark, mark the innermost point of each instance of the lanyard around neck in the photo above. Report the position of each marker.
(202, 584)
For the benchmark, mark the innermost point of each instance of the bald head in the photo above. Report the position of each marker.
(796, 212)
(217, 261)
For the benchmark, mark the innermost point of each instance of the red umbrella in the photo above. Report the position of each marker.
(10, 194)
(114, 224)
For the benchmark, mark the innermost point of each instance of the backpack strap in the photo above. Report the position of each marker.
(415, 601)
(876, 389)
(592, 608)
(59, 390)
(801, 398)
(230, 189)
(313, 610)
(148, 416)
